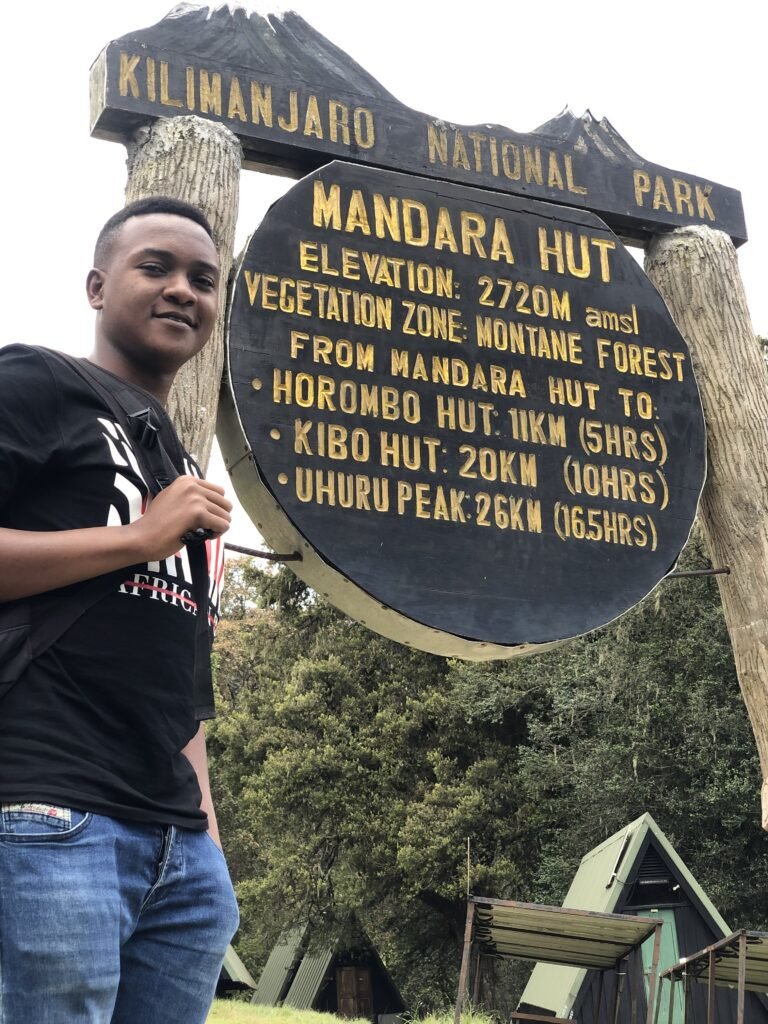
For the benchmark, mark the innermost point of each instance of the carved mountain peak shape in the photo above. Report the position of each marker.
(275, 43)
(586, 132)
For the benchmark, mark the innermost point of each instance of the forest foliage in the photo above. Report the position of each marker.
(350, 771)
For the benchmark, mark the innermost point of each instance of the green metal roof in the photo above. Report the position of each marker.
(235, 970)
(309, 978)
(275, 976)
(297, 967)
(598, 885)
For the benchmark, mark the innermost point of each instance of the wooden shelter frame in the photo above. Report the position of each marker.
(614, 925)
(714, 966)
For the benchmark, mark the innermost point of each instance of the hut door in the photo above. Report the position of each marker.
(353, 991)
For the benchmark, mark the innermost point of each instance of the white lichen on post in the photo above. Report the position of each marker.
(198, 161)
(696, 271)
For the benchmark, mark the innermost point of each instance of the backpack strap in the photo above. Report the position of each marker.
(149, 426)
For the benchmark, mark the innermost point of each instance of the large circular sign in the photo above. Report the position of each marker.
(472, 414)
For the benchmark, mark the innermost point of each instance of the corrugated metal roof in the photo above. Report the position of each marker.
(235, 969)
(598, 885)
(275, 976)
(526, 931)
(309, 978)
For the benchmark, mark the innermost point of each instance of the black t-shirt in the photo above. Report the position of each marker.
(98, 721)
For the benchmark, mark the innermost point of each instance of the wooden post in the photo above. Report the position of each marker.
(696, 271)
(658, 1001)
(742, 978)
(476, 983)
(620, 978)
(600, 986)
(464, 973)
(638, 987)
(711, 989)
(654, 974)
(198, 161)
(672, 981)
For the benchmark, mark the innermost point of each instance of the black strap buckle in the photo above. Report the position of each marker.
(197, 536)
(143, 428)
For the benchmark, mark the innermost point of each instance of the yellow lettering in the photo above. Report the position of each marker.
(444, 236)
(460, 156)
(357, 215)
(292, 123)
(365, 135)
(326, 206)
(189, 74)
(261, 104)
(500, 245)
(165, 97)
(660, 195)
(313, 125)
(236, 105)
(512, 172)
(338, 120)
(579, 190)
(151, 88)
(472, 231)
(554, 174)
(532, 164)
(437, 144)
(642, 186)
(210, 92)
(411, 206)
(702, 201)
(682, 192)
(127, 81)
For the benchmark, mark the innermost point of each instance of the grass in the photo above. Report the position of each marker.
(224, 1011)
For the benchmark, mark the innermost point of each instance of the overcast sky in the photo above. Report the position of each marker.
(682, 82)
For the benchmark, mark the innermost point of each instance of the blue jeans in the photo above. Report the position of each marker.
(108, 921)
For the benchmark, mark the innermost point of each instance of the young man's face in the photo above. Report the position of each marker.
(156, 295)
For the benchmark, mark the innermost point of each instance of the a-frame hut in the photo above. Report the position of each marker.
(234, 976)
(340, 973)
(638, 871)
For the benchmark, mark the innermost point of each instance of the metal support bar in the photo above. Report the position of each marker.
(465, 956)
(294, 556)
(725, 571)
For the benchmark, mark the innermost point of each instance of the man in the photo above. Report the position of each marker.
(115, 901)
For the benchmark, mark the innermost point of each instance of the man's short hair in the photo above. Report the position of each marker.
(140, 208)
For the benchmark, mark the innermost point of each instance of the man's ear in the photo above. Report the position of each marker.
(94, 287)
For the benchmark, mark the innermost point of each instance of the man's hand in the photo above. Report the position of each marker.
(187, 504)
(33, 562)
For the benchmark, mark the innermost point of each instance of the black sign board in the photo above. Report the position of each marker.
(472, 413)
(296, 101)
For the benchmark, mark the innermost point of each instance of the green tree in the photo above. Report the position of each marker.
(349, 771)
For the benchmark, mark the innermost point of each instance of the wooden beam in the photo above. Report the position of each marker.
(697, 273)
(198, 161)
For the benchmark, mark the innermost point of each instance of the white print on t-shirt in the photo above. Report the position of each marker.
(168, 581)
